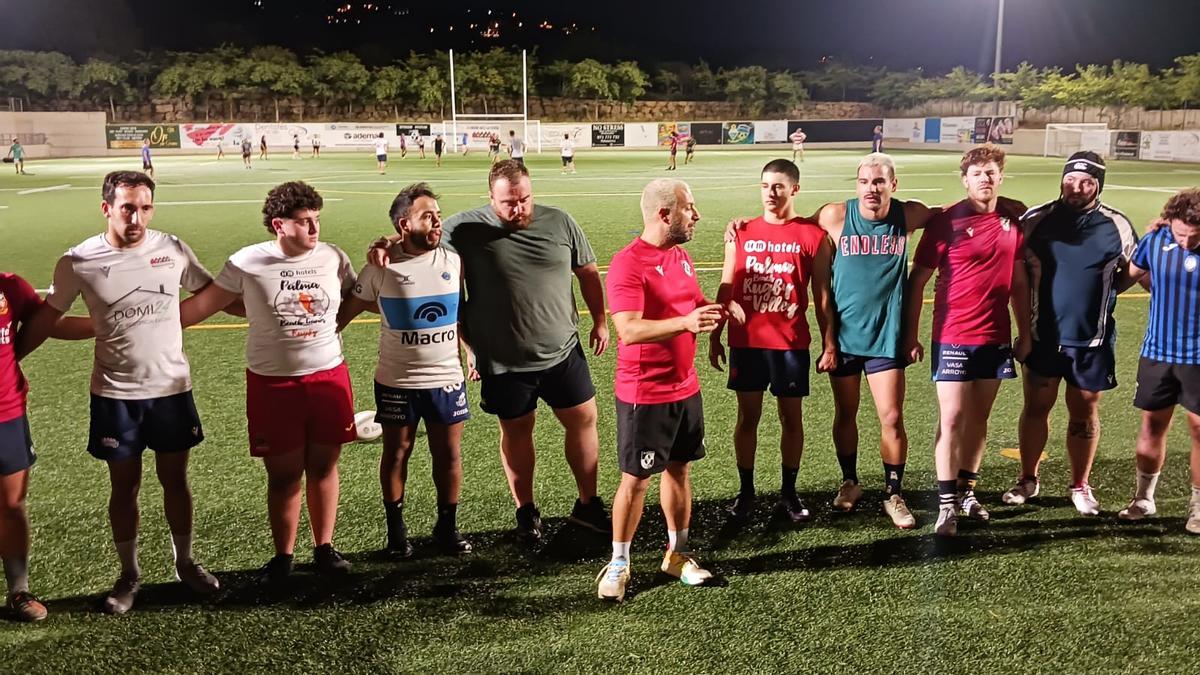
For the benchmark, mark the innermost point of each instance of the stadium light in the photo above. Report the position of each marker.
(996, 67)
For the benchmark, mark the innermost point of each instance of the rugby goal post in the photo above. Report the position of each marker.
(505, 122)
(1063, 140)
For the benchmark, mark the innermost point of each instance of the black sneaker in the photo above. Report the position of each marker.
(398, 545)
(793, 507)
(529, 524)
(742, 506)
(591, 515)
(277, 569)
(329, 560)
(450, 540)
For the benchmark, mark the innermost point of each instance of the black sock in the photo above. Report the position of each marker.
(849, 464)
(746, 476)
(966, 481)
(395, 518)
(947, 492)
(788, 486)
(447, 517)
(893, 476)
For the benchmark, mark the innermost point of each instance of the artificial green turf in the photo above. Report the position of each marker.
(1038, 589)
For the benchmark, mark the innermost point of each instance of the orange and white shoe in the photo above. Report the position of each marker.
(26, 607)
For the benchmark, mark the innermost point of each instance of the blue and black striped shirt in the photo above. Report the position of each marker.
(1173, 331)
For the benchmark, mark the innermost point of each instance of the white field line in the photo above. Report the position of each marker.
(224, 201)
(1166, 190)
(52, 188)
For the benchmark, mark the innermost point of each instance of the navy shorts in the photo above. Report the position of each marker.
(850, 365)
(1163, 385)
(567, 160)
(564, 385)
(123, 428)
(406, 407)
(966, 363)
(783, 371)
(649, 435)
(381, 158)
(16, 446)
(1086, 368)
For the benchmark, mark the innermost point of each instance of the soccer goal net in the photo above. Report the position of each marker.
(1063, 140)
(474, 132)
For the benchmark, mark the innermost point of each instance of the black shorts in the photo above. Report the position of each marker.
(147, 166)
(16, 446)
(123, 428)
(1163, 385)
(850, 365)
(783, 371)
(519, 160)
(651, 434)
(405, 407)
(1086, 368)
(566, 384)
(967, 363)
(245, 155)
(567, 160)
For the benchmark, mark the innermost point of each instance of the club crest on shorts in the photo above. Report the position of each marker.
(647, 459)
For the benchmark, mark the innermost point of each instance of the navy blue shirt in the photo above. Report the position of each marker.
(1074, 259)
(1173, 331)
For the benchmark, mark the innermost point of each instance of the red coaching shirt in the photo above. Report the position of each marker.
(770, 281)
(973, 254)
(18, 302)
(661, 284)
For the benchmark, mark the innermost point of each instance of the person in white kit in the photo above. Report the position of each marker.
(381, 148)
(420, 372)
(299, 405)
(568, 154)
(141, 388)
(516, 147)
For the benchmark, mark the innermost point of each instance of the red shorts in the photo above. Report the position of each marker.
(289, 412)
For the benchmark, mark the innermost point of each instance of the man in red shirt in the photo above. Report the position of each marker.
(765, 279)
(658, 310)
(978, 255)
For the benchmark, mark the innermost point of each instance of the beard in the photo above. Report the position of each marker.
(679, 232)
(422, 241)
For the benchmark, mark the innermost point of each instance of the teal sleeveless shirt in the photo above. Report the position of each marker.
(870, 270)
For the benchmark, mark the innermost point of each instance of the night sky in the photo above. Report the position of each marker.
(934, 34)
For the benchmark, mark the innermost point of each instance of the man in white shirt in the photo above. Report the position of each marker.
(299, 406)
(381, 148)
(420, 373)
(516, 147)
(568, 154)
(141, 389)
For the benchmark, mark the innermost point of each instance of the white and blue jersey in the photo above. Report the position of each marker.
(1173, 329)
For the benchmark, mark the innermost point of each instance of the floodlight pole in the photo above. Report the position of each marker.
(996, 68)
(453, 108)
(525, 101)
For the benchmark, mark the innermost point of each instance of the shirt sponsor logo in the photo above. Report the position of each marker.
(872, 244)
(163, 261)
(412, 337)
(288, 274)
(301, 303)
(760, 246)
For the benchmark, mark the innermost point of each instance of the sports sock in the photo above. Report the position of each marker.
(677, 540)
(967, 481)
(1146, 482)
(849, 464)
(746, 476)
(181, 546)
(16, 571)
(127, 552)
(787, 487)
(394, 512)
(893, 476)
(447, 516)
(621, 550)
(947, 490)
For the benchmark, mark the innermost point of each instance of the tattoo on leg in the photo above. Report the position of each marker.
(1086, 430)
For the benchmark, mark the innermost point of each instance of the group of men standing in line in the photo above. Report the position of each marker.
(495, 282)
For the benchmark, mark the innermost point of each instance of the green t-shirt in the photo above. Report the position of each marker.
(519, 314)
(17, 151)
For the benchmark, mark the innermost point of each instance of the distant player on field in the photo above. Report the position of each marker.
(877, 139)
(247, 148)
(516, 147)
(567, 152)
(18, 156)
(689, 149)
(147, 165)
(673, 142)
(262, 147)
(316, 146)
(798, 137)
(438, 146)
(295, 146)
(494, 148)
(381, 150)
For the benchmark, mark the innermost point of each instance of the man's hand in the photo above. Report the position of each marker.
(1157, 224)
(472, 371)
(703, 319)
(716, 352)
(914, 350)
(732, 228)
(377, 252)
(736, 312)
(599, 337)
(1023, 347)
(828, 361)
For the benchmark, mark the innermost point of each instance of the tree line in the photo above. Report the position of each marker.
(218, 78)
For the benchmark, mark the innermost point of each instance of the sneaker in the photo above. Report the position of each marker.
(1193, 522)
(26, 607)
(847, 496)
(120, 599)
(1085, 502)
(529, 524)
(277, 569)
(897, 510)
(197, 578)
(612, 580)
(450, 540)
(742, 506)
(970, 507)
(793, 507)
(591, 515)
(947, 522)
(1138, 509)
(685, 567)
(329, 560)
(398, 545)
(1026, 488)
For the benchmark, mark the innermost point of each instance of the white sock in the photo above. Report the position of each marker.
(127, 552)
(1146, 482)
(16, 571)
(677, 540)
(621, 550)
(181, 545)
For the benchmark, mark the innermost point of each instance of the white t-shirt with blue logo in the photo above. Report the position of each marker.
(418, 301)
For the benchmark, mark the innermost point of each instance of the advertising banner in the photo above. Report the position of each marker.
(130, 136)
(1127, 145)
(933, 130)
(338, 134)
(738, 133)
(997, 130)
(414, 131)
(641, 135)
(707, 133)
(911, 129)
(835, 131)
(579, 134)
(193, 136)
(476, 135)
(683, 129)
(1171, 146)
(771, 131)
(958, 129)
(608, 135)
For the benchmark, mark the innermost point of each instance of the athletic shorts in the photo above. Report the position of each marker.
(783, 371)
(245, 155)
(147, 166)
(16, 446)
(564, 385)
(850, 365)
(285, 413)
(567, 160)
(124, 428)
(1086, 368)
(1163, 385)
(797, 146)
(651, 434)
(381, 158)
(519, 160)
(406, 407)
(966, 363)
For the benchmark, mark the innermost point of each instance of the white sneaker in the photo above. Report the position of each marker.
(1138, 509)
(685, 567)
(1085, 502)
(971, 508)
(847, 496)
(1193, 521)
(897, 510)
(1025, 489)
(947, 522)
(613, 579)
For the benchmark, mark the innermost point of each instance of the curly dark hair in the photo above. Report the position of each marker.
(982, 154)
(284, 200)
(126, 179)
(1185, 206)
(403, 202)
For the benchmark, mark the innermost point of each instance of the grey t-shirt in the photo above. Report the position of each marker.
(520, 313)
